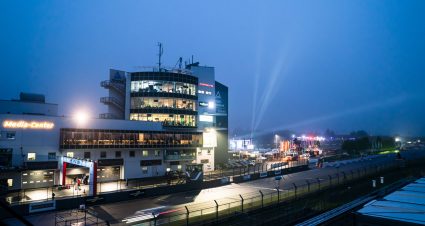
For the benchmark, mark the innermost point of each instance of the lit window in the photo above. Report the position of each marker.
(70, 154)
(31, 156)
(179, 167)
(145, 153)
(157, 152)
(9, 182)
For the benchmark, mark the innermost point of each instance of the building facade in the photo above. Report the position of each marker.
(156, 121)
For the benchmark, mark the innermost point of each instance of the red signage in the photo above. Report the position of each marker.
(206, 84)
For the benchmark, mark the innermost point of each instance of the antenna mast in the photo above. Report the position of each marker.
(159, 55)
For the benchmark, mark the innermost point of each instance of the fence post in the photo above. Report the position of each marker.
(216, 210)
(278, 195)
(187, 215)
(318, 181)
(308, 185)
(295, 187)
(262, 199)
(241, 202)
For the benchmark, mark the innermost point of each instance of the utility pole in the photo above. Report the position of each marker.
(159, 56)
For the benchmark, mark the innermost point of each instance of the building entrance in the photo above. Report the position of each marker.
(92, 177)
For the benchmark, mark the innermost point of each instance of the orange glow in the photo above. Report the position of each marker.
(28, 124)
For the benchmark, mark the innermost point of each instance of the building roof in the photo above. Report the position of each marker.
(404, 205)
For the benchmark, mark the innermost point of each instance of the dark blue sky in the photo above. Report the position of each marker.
(304, 65)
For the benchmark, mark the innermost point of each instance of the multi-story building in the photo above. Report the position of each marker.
(157, 121)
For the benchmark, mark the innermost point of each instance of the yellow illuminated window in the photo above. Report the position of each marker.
(70, 154)
(31, 156)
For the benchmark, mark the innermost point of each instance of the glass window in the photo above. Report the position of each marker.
(87, 155)
(70, 154)
(51, 155)
(144, 169)
(31, 156)
(145, 153)
(118, 154)
(103, 154)
(10, 135)
(157, 152)
(9, 182)
(156, 86)
(132, 153)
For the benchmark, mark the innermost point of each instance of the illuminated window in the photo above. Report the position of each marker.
(179, 167)
(70, 154)
(157, 152)
(9, 182)
(31, 156)
(144, 169)
(145, 153)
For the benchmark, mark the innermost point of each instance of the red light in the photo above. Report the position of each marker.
(205, 84)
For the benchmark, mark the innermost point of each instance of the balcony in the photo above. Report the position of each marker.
(112, 101)
(119, 87)
(179, 157)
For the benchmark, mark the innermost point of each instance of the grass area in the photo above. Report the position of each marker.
(386, 151)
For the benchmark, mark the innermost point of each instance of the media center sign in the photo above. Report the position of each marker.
(22, 124)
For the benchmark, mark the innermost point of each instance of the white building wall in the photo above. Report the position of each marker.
(43, 141)
(205, 156)
(23, 107)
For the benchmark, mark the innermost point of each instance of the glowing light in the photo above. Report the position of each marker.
(28, 124)
(210, 138)
(205, 118)
(397, 139)
(211, 104)
(81, 117)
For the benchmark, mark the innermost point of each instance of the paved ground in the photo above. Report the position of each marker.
(129, 210)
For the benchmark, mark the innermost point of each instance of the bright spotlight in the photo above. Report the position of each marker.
(81, 117)
(211, 104)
